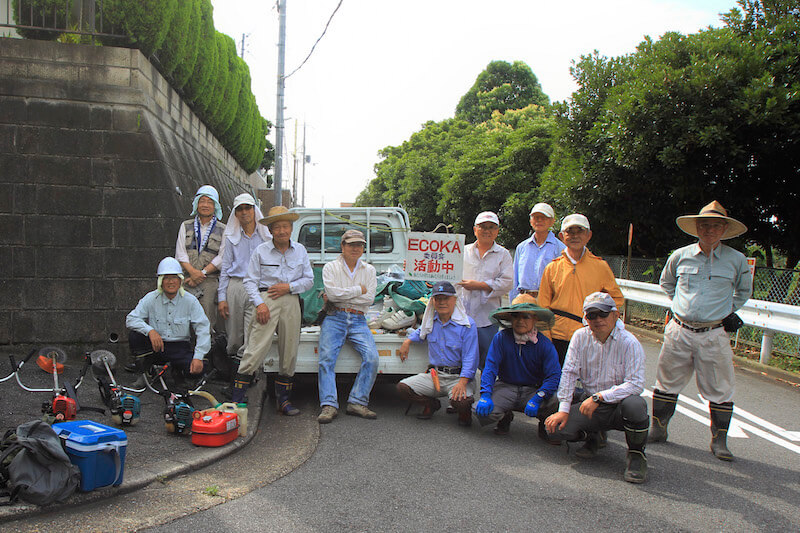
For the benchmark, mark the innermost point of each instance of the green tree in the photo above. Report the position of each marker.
(500, 87)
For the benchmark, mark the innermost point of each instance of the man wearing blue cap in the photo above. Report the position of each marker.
(199, 249)
(609, 361)
(452, 338)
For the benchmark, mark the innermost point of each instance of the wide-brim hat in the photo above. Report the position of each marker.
(278, 213)
(524, 303)
(688, 223)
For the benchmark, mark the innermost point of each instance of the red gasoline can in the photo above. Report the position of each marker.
(214, 428)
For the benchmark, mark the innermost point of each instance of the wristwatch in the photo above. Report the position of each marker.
(596, 398)
(204, 272)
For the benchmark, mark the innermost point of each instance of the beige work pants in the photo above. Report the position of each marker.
(240, 312)
(284, 317)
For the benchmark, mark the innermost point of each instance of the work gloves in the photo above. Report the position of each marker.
(532, 407)
(485, 405)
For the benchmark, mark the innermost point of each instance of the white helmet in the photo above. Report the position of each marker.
(169, 265)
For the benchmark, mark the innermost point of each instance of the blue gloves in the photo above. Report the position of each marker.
(532, 408)
(484, 405)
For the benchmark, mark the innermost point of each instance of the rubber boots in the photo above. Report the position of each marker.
(464, 409)
(636, 461)
(240, 384)
(721, 414)
(663, 409)
(283, 391)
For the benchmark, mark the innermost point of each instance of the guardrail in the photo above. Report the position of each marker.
(771, 317)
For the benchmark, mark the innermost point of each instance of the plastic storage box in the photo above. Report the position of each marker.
(97, 450)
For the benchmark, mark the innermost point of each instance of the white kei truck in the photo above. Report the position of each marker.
(320, 231)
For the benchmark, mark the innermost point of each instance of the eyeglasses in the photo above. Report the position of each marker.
(711, 225)
(592, 315)
(574, 230)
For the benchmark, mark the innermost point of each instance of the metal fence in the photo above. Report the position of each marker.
(770, 284)
(71, 20)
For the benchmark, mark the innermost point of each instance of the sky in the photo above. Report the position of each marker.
(385, 67)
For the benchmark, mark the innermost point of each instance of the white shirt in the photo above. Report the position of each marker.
(343, 287)
(496, 269)
(180, 246)
(614, 369)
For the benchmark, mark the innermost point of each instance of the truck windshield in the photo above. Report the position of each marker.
(310, 236)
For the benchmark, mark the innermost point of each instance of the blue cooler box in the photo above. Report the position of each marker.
(97, 450)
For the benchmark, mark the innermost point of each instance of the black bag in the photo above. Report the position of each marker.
(39, 470)
(731, 323)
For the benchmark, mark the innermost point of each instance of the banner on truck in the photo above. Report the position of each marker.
(434, 256)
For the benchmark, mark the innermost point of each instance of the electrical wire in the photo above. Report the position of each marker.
(318, 40)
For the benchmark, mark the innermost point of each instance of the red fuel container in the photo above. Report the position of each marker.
(214, 428)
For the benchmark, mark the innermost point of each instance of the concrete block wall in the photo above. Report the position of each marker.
(99, 162)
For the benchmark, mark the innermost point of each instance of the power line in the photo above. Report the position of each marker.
(318, 39)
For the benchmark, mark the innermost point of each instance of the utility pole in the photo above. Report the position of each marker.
(242, 53)
(279, 112)
(305, 160)
(294, 167)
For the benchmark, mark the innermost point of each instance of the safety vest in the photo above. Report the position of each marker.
(211, 250)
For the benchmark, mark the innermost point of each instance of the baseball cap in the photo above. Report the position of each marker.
(443, 287)
(243, 199)
(487, 216)
(601, 301)
(544, 209)
(575, 219)
(353, 235)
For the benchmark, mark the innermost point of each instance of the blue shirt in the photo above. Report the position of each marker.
(706, 288)
(452, 344)
(530, 259)
(172, 319)
(235, 259)
(529, 364)
(269, 266)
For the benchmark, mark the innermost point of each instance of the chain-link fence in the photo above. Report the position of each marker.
(770, 284)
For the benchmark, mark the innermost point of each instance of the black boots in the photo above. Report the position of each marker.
(240, 384)
(721, 414)
(283, 390)
(636, 467)
(663, 409)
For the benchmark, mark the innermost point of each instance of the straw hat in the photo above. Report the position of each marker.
(278, 213)
(688, 223)
(524, 303)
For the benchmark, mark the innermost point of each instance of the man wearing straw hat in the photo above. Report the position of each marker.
(279, 271)
(199, 249)
(609, 361)
(242, 235)
(707, 282)
(522, 370)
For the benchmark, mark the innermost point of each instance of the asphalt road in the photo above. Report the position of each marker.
(398, 473)
(402, 474)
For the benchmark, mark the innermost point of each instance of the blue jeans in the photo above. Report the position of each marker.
(335, 330)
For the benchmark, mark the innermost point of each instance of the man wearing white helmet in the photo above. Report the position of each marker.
(487, 276)
(163, 320)
(535, 253)
(242, 237)
(199, 249)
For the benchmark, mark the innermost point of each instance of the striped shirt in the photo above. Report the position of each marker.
(494, 269)
(344, 288)
(614, 369)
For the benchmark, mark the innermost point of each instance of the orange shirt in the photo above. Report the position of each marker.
(566, 285)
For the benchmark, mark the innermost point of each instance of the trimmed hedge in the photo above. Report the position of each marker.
(198, 61)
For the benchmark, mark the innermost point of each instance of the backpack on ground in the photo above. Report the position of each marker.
(34, 467)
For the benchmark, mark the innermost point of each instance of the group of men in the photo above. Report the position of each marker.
(562, 355)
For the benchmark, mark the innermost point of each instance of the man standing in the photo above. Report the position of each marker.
(708, 282)
(278, 272)
(522, 370)
(350, 290)
(199, 249)
(535, 253)
(163, 320)
(453, 354)
(609, 361)
(242, 236)
(487, 276)
(570, 278)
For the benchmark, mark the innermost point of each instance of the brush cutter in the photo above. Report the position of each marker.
(125, 408)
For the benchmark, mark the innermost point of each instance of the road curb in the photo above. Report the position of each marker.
(165, 470)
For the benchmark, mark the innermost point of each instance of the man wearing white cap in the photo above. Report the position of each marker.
(609, 361)
(570, 278)
(199, 249)
(708, 282)
(487, 276)
(535, 253)
(242, 237)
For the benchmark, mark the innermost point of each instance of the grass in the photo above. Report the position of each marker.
(211, 490)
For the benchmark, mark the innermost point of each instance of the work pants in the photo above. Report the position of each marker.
(240, 312)
(507, 397)
(284, 317)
